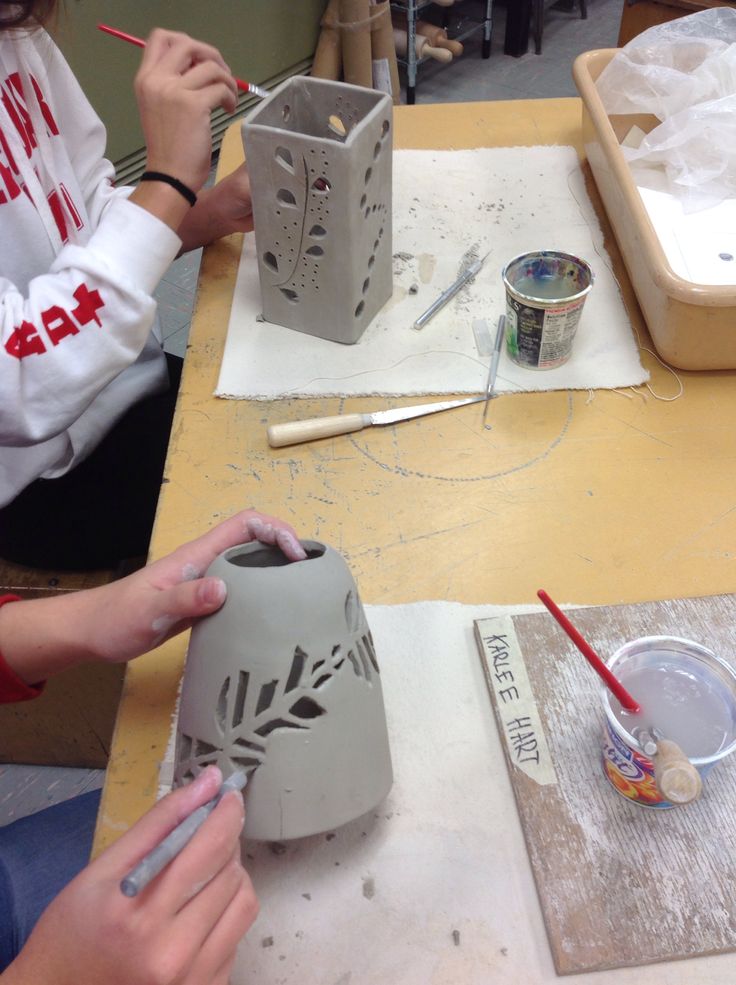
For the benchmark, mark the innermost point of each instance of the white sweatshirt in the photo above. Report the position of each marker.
(78, 266)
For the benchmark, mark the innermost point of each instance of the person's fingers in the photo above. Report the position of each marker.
(206, 76)
(153, 827)
(174, 609)
(193, 559)
(260, 529)
(205, 857)
(217, 954)
(177, 51)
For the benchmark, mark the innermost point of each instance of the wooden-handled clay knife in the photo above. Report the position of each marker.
(295, 432)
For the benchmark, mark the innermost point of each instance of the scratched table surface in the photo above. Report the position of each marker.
(605, 500)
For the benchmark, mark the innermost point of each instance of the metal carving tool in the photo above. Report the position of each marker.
(450, 293)
(493, 369)
(295, 432)
(167, 850)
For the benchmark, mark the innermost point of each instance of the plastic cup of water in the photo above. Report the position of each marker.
(686, 693)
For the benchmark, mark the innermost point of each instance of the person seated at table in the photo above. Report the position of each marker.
(87, 392)
(184, 927)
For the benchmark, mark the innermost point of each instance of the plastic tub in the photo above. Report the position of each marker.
(693, 326)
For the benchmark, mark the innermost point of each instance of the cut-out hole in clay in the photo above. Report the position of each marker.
(265, 696)
(221, 709)
(366, 284)
(284, 158)
(321, 185)
(336, 125)
(248, 746)
(269, 727)
(364, 660)
(371, 260)
(315, 251)
(376, 151)
(271, 262)
(240, 693)
(290, 295)
(317, 232)
(322, 680)
(286, 197)
(245, 762)
(385, 127)
(203, 748)
(371, 650)
(368, 173)
(363, 200)
(306, 708)
(367, 211)
(286, 113)
(297, 669)
(359, 309)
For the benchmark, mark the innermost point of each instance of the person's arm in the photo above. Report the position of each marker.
(120, 621)
(79, 325)
(226, 208)
(183, 929)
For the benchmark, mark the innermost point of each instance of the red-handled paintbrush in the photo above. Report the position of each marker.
(613, 685)
(244, 86)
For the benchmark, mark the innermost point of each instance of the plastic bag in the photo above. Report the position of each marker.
(684, 73)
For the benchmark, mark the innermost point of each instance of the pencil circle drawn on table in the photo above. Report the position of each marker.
(361, 445)
(283, 683)
(320, 157)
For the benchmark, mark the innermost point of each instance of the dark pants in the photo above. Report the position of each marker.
(39, 855)
(101, 512)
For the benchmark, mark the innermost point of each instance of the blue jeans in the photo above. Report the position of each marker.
(39, 855)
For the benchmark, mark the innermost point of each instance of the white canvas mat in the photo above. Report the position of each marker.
(435, 885)
(447, 205)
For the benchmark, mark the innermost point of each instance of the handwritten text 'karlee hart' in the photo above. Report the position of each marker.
(520, 730)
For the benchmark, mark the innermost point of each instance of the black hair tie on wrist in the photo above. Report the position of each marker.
(167, 179)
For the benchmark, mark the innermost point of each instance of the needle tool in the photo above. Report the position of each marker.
(132, 39)
(614, 686)
(493, 369)
(167, 850)
(450, 293)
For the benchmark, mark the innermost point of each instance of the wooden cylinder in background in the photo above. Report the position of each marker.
(355, 30)
(423, 48)
(437, 36)
(327, 62)
(383, 51)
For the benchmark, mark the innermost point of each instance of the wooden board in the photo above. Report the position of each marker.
(618, 884)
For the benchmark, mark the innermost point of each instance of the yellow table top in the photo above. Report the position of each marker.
(600, 498)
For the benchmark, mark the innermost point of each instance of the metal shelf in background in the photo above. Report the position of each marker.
(411, 9)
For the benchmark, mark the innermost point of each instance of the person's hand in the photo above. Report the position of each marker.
(179, 82)
(122, 620)
(133, 615)
(226, 208)
(182, 929)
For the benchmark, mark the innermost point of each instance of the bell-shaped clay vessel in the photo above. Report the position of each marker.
(283, 683)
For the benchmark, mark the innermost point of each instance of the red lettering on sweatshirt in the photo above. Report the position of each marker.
(15, 103)
(25, 341)
(59, 323)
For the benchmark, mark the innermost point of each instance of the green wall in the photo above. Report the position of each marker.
(263, 41)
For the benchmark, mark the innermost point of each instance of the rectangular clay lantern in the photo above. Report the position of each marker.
(319, 160)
